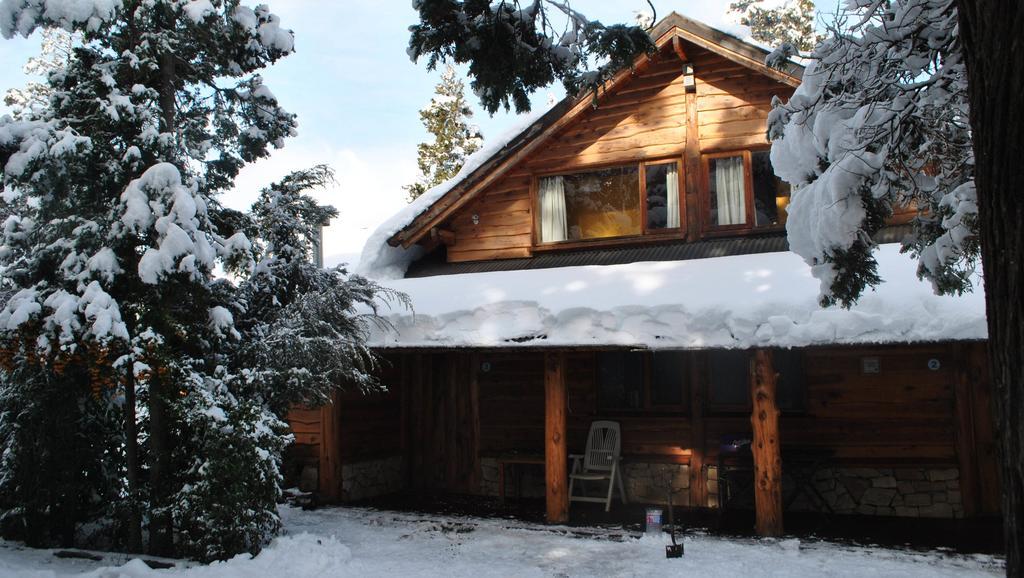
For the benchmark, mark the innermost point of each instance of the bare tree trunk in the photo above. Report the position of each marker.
(161, 536)
(994, 52)
(161, 526)
(132, 458)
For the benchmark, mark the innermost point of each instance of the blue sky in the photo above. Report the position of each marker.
(357, 96)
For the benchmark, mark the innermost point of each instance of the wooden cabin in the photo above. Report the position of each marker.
(624, 257)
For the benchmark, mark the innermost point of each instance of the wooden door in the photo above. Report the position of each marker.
(444, 425)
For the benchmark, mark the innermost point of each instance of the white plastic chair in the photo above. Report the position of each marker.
(600, 462)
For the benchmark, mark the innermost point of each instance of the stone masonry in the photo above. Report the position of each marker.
(369, 479)
(903, 492)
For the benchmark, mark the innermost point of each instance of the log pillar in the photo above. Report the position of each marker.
(330, 450)
(765, 445)
(556, 453)
(698, 481)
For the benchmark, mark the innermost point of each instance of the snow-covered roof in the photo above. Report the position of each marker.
(743, 301)
(380, 260)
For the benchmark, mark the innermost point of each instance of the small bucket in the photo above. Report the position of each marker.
(653, 525)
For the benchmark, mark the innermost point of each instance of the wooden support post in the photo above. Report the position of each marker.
(765, 446)
(450, 422)
(330, 450)
(556, 455)
(420, 374)
(474, 425)
(698, 481)
(965, 442)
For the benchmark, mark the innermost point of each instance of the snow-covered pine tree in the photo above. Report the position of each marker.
(454, 139)
(54, 54)
(914, 102)
(513, 48)
(115, 230)
(790, 23)
(881, 121)
(291, 333)
(304, 325)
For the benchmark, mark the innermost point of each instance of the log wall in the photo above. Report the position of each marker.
(926, 407)
(904, 413)
(645, 118)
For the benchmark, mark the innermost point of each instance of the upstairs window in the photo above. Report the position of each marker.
(607, 203)
(744, 193)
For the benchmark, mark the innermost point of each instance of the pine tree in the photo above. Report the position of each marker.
(789, 24)
(302, 326)
(915, 101)
(56, 51)
(881, 121)
(114, 233)
(453, 139)
(513, 48)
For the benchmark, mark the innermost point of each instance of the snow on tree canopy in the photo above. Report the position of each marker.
(159, 198)
(24, 16)
(727, 302)
(880, 123)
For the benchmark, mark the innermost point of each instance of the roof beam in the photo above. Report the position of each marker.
(677, 45)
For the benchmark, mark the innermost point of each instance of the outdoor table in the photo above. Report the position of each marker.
(514, 459)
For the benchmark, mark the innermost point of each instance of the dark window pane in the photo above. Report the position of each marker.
(662, 196)
(729, 385)
(728, 191)
(790, 385)
(771, 194)
(668, 378)
(620, 376)
(603, 203)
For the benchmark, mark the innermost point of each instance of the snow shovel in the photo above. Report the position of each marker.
(673, 550)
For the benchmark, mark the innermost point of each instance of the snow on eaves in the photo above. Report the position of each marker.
(382, 261)
(728, 302)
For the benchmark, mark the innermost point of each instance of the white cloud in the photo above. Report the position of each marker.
(368, 189)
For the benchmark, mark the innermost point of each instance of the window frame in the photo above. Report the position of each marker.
(728, 409)
(649, 408)
(646, 233)
(708, 228)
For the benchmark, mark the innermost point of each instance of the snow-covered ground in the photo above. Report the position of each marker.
(358, 542)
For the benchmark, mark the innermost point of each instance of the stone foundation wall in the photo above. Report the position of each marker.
(644, 483)
(650, 483)
(369, 479)
(904, 492)
(526, 481)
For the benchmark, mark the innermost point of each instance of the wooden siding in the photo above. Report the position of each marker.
(371, 424)
(646, 118)
(904, 414)
(732, 103)
(446, 411)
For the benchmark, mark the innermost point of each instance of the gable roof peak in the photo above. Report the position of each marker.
(403, 231)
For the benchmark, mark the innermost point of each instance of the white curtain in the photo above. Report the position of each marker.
(552, 210)
(729, 186)
(672, 194)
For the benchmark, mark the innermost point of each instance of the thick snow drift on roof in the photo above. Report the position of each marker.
(382, 261)
(768, 299)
